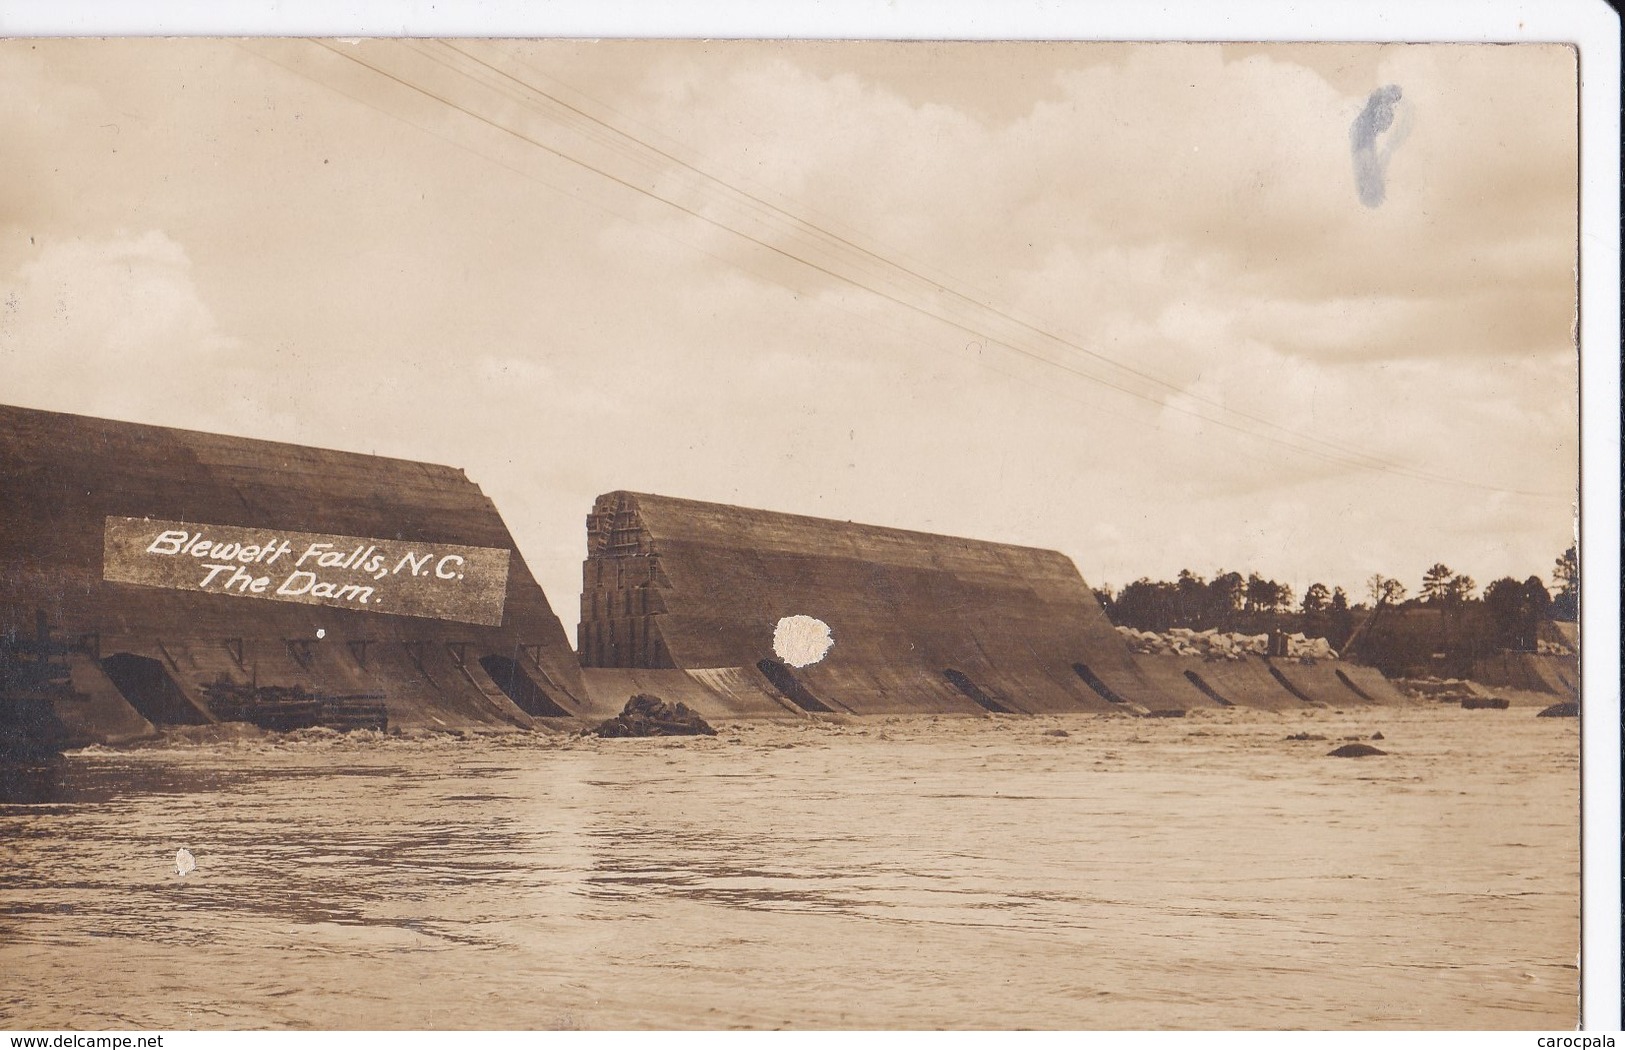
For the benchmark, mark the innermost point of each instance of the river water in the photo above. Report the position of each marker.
(1206, 872)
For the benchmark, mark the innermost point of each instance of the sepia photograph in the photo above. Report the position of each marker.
(506, 533)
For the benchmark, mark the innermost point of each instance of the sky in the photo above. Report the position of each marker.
(1304, 310)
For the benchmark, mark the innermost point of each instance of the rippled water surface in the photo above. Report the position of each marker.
(920, 873)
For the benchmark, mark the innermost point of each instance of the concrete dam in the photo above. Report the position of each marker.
(187, 578)
(683, 598)
(153, 577)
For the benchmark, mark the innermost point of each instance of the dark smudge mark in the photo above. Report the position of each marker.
(1370, 164)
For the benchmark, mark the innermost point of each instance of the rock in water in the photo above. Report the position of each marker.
(646, 715)
(1563, 710)
(1355, 751)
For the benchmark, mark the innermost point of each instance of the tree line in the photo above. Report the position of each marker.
(1229, 601)
(1506, 616)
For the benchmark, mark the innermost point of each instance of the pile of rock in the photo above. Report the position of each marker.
(1302, 647)
(1214, 644)
(1182, 641)
(646, 715)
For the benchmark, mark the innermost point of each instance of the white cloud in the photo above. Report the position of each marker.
(116, 327)
(108, 322)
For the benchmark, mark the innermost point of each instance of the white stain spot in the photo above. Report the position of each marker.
(321, 633)
(801, 640)
(184, 861)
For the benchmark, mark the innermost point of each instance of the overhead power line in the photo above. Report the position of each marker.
(531, 96)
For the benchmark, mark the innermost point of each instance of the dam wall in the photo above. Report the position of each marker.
(920, 623)
(185, 579)
(1556, 674)
(195, 573)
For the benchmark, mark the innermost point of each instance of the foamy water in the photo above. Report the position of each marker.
(920, 873)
